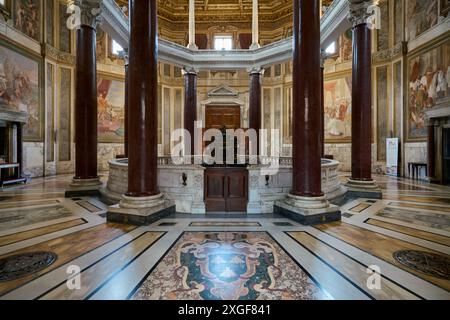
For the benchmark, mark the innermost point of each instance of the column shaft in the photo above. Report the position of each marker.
(255, 103)
(306, 156)
(190, 106)
(255, 25)
(322, 112)
(142, 100)
(86, 104)
(126, 124)
(362, 104)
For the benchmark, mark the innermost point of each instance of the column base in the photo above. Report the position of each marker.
(363, 189)
(255, 46)
(308, 210)
(192, 46)
(84, 188)
(140, 211)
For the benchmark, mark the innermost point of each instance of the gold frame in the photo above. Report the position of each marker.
(336, 76)
(412, 55)
(6, 43)
(112, 77)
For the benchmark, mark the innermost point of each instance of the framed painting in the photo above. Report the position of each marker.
(428, 74)
(21, 79)
(27, 17)
(338, 108)
(110, 109)
(421, 15)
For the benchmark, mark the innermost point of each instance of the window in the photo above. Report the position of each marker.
(2, 3)
(223, 42)
(116, 48)
(331, 48)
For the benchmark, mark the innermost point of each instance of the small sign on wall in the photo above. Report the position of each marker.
(392, 156)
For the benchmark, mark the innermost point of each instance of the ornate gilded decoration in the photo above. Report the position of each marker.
(59, 56)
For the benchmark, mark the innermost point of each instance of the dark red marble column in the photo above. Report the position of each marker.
(142, 100)
(306, 157)
(431, 151)
(322, 110)
(255, 102)
(190, 105)
(362, 104)
(86, 104)
(126, 124)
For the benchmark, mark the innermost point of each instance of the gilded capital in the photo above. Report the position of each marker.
(84, 13)
(362, 11)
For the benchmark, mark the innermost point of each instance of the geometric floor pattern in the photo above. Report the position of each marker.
(395, 248)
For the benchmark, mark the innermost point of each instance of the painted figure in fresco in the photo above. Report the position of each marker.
(3, 86)
(441, 89)
(27, 17)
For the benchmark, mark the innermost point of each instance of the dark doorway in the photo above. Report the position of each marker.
(446, 156)
(226, 186)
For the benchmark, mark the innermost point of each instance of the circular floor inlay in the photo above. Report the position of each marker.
(425, 262)
(21, 265)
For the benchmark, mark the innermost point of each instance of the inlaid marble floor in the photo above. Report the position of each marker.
(65, 250)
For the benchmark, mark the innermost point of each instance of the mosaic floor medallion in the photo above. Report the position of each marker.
(428, 263)
(228, 266)
(21, 265)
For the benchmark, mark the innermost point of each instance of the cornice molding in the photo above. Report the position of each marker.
(58, 56)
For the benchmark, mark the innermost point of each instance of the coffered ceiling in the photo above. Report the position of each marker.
(221, 11)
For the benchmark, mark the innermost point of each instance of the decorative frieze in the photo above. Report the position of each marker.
(58, 56)
(399, 49)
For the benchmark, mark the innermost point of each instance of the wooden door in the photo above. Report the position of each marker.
(226, 189)
(217, 117)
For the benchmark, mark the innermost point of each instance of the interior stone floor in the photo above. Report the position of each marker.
(48, 243)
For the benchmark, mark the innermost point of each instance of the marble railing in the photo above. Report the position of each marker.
(184, 184)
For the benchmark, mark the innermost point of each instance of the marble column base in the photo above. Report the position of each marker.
(140, 211)
(308, 210)
(255, 46)
(84, 188)
(363, 189)
(192, 46)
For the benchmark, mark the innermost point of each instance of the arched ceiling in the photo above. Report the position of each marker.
(220, 11)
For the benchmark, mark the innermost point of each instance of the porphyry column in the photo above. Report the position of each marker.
(307, 203)
(86, 181)
(361, 183)
(255, 104)
(143, 204)
(190, 106)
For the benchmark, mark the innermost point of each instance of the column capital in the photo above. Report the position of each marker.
(125, 56)
(361, 11)
(86, 12)
(256, 70)
(189, 70)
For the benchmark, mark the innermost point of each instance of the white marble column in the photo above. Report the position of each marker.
(255, 27)
(192, 44)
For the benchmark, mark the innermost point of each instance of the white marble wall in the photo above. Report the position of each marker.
(265, 190)
(33, 159)
(416, 152)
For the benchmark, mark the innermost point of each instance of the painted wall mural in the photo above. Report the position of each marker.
(429, 82)
(338, 97)
(111, 110)
(421, 16)
(19, 88)
(27, 17)
(64, 32)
